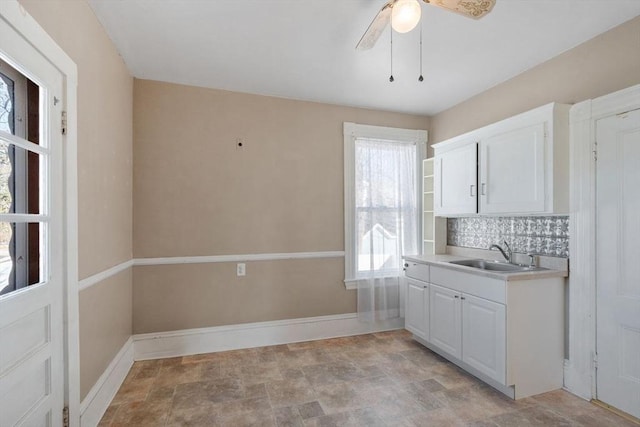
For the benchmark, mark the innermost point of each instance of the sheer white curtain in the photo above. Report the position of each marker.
(386, 223)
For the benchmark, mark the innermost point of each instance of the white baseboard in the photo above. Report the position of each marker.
(97, 401)
(205, 340)
(248, 335)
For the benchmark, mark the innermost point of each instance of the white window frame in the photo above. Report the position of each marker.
(351, 132)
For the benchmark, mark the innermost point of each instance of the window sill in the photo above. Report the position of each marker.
(351, 284)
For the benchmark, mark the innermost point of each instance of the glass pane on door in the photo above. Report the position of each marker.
(7, 104)
(21, 262)
(22, 182)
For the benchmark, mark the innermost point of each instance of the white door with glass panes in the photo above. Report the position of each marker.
(512, 169)
(455, 181)
(31, 240)
(417, 308)
(618, 266)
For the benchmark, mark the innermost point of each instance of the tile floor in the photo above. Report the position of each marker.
(383, 379)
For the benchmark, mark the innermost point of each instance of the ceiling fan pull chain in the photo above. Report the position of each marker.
(420, 78)
(391, 79)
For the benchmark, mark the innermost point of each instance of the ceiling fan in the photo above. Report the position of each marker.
(404, 15)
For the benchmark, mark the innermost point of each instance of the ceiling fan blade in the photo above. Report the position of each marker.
(376, 28)
(475, 9)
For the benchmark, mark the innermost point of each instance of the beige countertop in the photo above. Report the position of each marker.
(444, 262)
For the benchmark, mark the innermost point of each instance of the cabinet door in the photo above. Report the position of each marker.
(445, 329)
(417, 308)
(512, 171)
(484, 336)
(455, 181)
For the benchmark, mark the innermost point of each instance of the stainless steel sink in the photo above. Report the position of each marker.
(495, 265)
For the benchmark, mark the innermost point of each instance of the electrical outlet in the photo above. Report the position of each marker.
(241, 269)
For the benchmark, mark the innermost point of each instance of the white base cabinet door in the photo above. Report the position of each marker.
(444, 320)
(417, 308)
(484, 336)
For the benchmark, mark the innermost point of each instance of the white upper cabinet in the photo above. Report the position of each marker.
(512, 171)
(522, 166)
(455, 184)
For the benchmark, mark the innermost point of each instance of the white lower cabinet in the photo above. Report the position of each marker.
(469, 328)
(484, 336)
(416, 311)
(508, 333)
(444, 318)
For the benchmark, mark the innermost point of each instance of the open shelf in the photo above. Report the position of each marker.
(427, 183)
(433, 232)
(427, 201)
(427, 167)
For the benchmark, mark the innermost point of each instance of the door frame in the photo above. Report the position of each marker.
(580, 367)
(25, 25)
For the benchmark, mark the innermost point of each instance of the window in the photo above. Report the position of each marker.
(382, 170)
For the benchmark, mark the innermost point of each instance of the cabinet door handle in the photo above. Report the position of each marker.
(456, 296)
(471, 187)
(462, 298)
(483, 190)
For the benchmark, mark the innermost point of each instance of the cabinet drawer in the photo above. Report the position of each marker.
(472, 284)
(417, 271)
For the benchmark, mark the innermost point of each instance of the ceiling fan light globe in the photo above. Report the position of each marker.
(405, 15)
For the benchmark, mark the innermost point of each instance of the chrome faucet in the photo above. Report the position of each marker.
(508, 255)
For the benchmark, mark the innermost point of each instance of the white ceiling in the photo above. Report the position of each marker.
(305, 49)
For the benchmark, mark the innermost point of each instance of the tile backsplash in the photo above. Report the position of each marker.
(540, 235)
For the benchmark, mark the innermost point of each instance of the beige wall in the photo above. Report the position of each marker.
(195, 193)
(105, 313)
(105, 91)
(172, 297)
(604, 64)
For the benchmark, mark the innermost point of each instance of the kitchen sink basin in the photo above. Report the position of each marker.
(495, 265)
